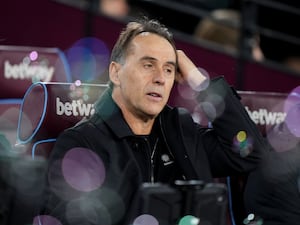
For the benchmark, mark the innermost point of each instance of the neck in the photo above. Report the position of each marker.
(139, 122)
(138, 125)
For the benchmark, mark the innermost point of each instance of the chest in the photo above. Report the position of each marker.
(155, 160)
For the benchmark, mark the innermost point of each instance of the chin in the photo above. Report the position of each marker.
(152, 111)
(152, 114)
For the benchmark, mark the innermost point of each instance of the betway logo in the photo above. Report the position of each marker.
(263, 117)
(74, 108)
(26, 71)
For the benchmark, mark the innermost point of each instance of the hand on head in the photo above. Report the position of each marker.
(187, 71)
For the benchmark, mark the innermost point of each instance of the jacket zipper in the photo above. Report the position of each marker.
(150, 156)
(164, 137)
(166, 143)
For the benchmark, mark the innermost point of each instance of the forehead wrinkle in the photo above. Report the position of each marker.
(135, 42)
(155, 59)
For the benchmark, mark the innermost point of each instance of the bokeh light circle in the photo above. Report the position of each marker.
(189, 220)
(145, 219)
(242, 144)
(88, 59)
(213, 106)
(204, 84)
(241, 136)
(83, 169)
(45, 220)
(33, 55)
(281, 139)
(186, 92)
(292, 110)
(298, 182)
(252, 219)
(292, 120)
(87, 210)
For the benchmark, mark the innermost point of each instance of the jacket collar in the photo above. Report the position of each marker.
(111, 114)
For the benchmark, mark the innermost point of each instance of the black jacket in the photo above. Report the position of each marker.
(202, 153)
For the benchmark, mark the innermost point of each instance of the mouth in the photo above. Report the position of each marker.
(154, 95)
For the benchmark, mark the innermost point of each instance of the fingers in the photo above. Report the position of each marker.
(187, 71)
(185, 65)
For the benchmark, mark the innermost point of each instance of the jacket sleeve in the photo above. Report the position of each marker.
(234, 144)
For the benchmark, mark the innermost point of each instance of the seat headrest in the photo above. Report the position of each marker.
(266, 109)
(21, 66)
(49, 108)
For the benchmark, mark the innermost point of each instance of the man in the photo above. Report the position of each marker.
(96, 167)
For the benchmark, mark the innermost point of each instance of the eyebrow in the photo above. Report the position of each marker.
(154, 59)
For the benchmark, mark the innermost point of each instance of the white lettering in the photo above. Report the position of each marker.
(74, 108)
(26, 71)
(263, 117)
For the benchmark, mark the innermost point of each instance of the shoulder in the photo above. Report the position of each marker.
(173, 112)
(177, 116)
(84, 128)
(81, 135)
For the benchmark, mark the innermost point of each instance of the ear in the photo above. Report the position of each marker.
(114, 68)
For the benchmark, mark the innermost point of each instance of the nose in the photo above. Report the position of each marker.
(159, 76)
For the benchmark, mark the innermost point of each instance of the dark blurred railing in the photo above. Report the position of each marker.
(183, 16)
(60, 23)
(263, 17)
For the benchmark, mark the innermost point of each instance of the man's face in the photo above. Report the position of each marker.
(142, 85)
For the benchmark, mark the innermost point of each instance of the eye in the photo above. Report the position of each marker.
(148, 65)
(169, 70)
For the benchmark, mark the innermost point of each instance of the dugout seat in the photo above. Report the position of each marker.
(50, 107)
(21, 66)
